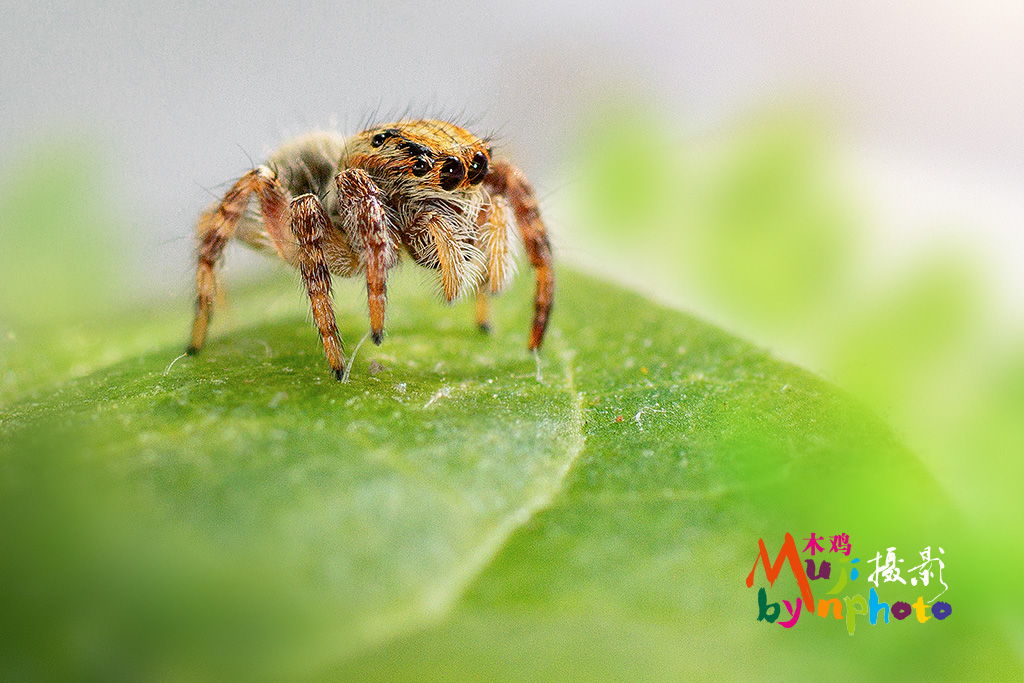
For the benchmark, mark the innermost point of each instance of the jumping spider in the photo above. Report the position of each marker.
(425, 187)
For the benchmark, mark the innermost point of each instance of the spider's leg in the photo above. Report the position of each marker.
(360, 197)
(483, 310)
(217, 226)
(309, 223)
(507, 181)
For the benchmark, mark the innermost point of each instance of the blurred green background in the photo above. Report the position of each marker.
(764, 229)
(840, 187)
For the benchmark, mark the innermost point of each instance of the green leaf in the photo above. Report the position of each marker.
(448, 515)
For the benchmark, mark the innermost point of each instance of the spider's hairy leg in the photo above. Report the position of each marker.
(483, 310)
(217, 226)
(310, 224)
(360, 196)
(508, 181)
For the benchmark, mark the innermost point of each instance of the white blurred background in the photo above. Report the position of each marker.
(176, 97)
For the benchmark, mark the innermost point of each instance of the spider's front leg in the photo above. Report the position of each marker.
(310, 225)
(360, 198)
(507, 181)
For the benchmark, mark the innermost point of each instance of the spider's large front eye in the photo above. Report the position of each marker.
(378, 139)
(478, 169)
(420, 167)
(452, 173)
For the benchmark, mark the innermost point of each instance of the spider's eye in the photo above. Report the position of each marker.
(452, 173)
(378, 139)
(420, 167)
(478, 169)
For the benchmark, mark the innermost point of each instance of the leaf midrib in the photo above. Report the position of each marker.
(440, 601)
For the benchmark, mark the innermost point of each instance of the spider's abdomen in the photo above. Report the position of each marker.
(308, 164)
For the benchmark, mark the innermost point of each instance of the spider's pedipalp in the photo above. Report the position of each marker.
(449, 247)
(496, 243)
(449, 258)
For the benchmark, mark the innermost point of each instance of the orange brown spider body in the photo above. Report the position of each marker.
(349, 207)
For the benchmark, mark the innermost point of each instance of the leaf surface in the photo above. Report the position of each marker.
(447, 516)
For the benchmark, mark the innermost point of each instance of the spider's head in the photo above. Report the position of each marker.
(421, 159)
